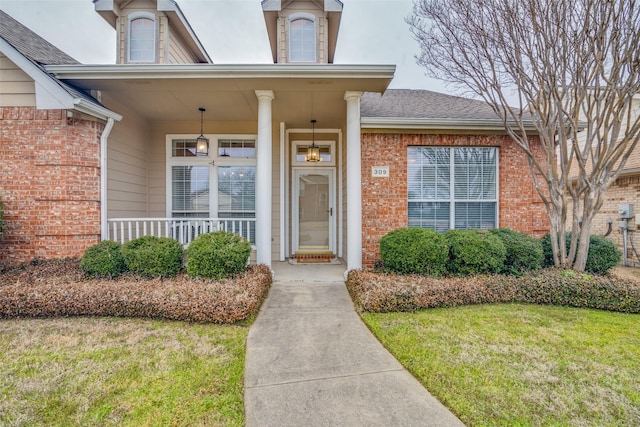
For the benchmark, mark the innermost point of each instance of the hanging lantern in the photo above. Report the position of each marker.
(202, 143)
(313, 151)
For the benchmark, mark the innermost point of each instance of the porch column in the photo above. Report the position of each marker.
(354, 184)
(263, 178)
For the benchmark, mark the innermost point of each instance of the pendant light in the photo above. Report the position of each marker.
(313, 151)
(202, 143)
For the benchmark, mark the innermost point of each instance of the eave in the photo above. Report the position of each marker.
(401, 123)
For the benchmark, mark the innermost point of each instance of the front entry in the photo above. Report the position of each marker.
(313, 209)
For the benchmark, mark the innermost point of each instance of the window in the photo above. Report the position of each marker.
(302, 40)
(142, 38)
(236, 191)
(452, 187)
(220, 185)
(237, 148)
(190, 191)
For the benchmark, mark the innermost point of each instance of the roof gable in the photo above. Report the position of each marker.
(31, 45)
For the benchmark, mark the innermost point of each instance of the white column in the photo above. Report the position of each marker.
(354, 184)
(264, 178)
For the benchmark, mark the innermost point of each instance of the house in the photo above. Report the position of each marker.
(304, 157)
(625, 190)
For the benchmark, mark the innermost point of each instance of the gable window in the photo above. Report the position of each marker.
(302, 39)
(142, 38)
(453, 187)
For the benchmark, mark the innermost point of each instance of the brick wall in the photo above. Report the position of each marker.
(625, 189)
(49, 183)
(384, 200)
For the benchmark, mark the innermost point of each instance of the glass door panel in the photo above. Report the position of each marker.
(313, 211)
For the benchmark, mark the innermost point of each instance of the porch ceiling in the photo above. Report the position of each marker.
(168, 93)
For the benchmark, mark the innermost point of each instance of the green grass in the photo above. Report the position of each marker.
(522, 365)
(99, 372)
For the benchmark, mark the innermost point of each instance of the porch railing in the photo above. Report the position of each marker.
(184, 230)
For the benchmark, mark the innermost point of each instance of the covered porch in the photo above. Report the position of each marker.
(257, 120)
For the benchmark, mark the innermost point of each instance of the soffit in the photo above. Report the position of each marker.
(228, 93)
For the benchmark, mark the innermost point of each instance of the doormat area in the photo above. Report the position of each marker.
(314, 259)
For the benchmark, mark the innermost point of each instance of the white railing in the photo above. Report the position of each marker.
(184, 230)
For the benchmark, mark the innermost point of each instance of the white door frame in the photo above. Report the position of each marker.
(295, 229)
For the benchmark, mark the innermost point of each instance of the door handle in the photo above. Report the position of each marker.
(330, 210)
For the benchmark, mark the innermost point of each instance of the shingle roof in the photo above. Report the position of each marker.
(423, 104)
(40, 52)
(30, 44)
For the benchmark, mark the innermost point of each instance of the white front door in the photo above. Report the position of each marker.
(313, 210)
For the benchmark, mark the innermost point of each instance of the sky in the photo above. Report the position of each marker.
(233, 32)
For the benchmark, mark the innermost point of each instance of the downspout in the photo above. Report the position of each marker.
(104, 225)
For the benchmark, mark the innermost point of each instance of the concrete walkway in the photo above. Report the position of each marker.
(312, 362)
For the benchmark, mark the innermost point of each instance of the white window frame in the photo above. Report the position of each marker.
(142, 15)
(308, 17)
(305, 144)
(452, 199)
(212, 159)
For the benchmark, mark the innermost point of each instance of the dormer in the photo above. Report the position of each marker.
(302, 31)
(151, 32)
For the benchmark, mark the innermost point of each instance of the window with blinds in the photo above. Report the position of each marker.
(236, 191)
(452, 187)
(190, 191)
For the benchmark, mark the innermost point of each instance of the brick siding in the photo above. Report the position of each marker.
(384, 200)
(49, 183)
(625, 189)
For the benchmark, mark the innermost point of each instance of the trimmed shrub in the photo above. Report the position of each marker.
(523, 252)
(414, 251)
(603, 254)
(474, 252)
(103, 260)
(386, 293)
(55, 288)
(217, 255)
(152, 256)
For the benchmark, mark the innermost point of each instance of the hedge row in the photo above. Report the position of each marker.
(216, 255)
(459, 252)
(55, 289)
(374, 292)
(469, 252)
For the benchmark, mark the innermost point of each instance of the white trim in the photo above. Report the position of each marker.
(339, 186)
(50, 95)
(212, 159)
(283, 199)
(225, 71)
(104, 212)
(436, 124)
(306, 143)
(330, 172)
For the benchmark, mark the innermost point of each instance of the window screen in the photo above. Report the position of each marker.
(452, 187)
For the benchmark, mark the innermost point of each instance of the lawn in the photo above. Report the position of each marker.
(110, 371)
(522, 364)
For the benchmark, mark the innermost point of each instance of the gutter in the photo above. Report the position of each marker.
(437, 124)
(186, 71)
(95, 110)
(104, 225)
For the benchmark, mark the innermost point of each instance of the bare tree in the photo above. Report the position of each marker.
(565, 65)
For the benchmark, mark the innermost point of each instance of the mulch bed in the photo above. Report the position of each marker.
(59, 288)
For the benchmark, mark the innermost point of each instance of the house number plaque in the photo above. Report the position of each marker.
(380, 171)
